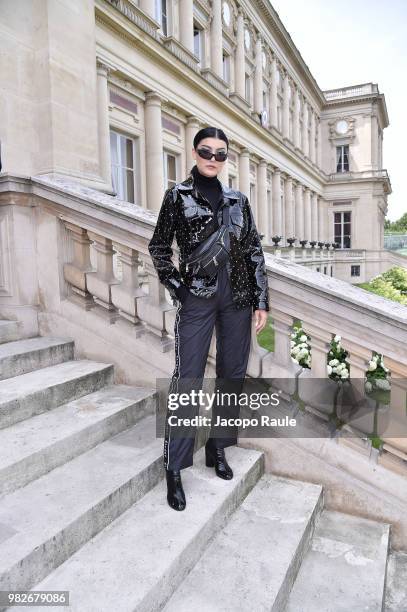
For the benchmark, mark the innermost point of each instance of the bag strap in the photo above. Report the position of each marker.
(226, 215)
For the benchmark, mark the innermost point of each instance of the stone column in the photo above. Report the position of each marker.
(276, 198)
(296, 125)
(148, 6)
(239, 56)
(327, 217)
(286, 106)
(299, 213)
(273, 93)
(216, 38)
(375, 142)
(223, 175)
(314, 216)
(186, 24)
(191, 129)
(319, 144)
(103, 122)
(289, 209)
(262, 216)
(154, 151)
(312, 136)
(258, 77)
(307, 214)
(305, 129)
(321, 219)
(244, 173)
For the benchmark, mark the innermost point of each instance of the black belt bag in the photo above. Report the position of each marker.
(213, 252)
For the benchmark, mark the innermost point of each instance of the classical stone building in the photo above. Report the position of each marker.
(99, 103)
(112, 92)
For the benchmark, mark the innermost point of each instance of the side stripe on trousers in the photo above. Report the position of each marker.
(173, 387)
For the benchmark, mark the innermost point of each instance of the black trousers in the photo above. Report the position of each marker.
(194, 323)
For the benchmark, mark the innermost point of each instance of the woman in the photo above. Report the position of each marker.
(192, 210)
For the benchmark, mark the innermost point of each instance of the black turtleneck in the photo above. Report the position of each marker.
(211, 189)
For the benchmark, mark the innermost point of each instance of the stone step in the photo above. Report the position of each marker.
(396, 583)
(45, 522)
(140, 558)
(10, 330)
(253, 561)
(30, 354)
(345, 567)
(37, 445)
(35, 392)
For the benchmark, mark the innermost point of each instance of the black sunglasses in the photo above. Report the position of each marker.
(220, 156)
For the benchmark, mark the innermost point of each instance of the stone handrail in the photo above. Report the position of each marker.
(98, 225)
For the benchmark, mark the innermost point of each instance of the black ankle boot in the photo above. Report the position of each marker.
(215, 457)
(175, 491)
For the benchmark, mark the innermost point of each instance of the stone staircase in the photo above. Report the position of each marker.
(83, 508)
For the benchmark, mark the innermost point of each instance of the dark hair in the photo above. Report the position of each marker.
(212, 132)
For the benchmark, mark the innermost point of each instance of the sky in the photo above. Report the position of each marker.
(353, 42)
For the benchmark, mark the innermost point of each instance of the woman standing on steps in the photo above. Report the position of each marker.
(227, 299)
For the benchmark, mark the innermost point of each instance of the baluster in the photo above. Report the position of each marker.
(279, 364)
(100, 282)
(154, 310)
(126, 294)
(75, 272)
(393, 429)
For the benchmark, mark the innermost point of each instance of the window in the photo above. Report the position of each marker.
(198, 42)
(324, 269)
(247, 87)
(342, 158)
(170, 169)
(122, 151)
(342, 232)
(161, 15)
(355, 270)
(226, 67)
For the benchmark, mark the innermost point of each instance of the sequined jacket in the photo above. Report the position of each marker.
(190, 216)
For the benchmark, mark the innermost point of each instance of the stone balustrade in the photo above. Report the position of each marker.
(103, 235)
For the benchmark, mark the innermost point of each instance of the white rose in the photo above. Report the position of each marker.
(382, 384)
(372, 366)
(303, 338)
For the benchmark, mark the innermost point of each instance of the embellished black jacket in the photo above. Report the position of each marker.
(189, 215)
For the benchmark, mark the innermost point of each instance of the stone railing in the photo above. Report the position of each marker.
(351, 91)
(366, 322)
(83, 262)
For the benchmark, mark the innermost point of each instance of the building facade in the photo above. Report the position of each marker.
(111, 93)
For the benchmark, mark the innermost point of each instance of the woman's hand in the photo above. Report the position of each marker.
(260, 318)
